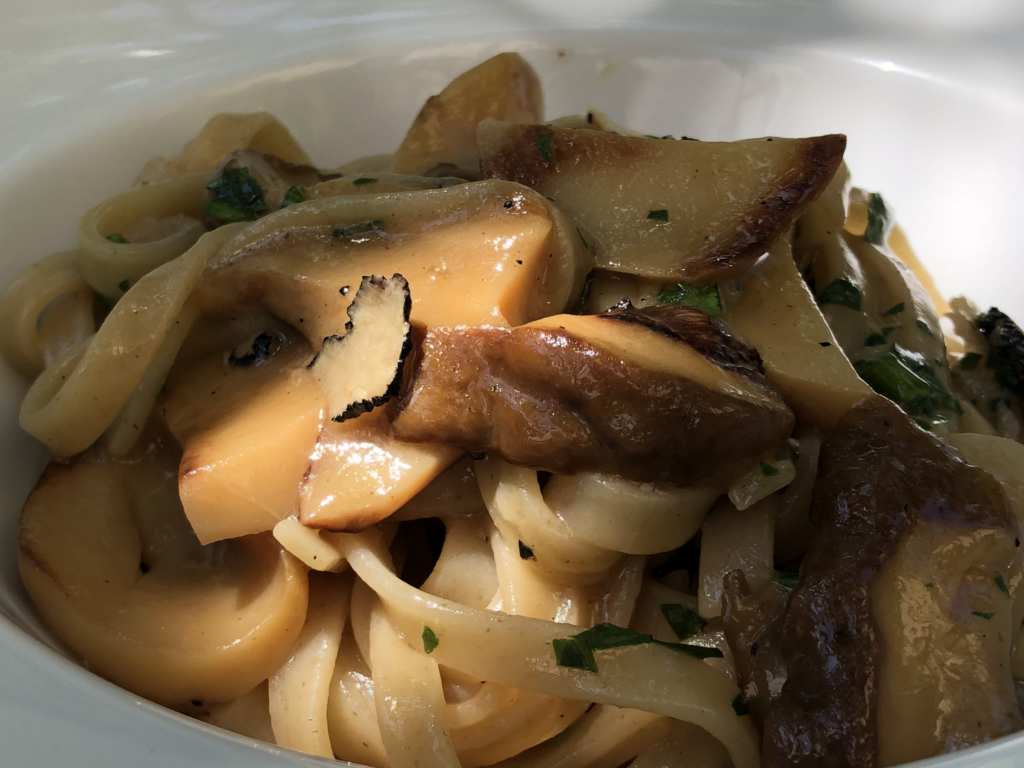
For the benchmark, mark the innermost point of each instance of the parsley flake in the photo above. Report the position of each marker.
(908, 380)
(684, 621)
(430, 641)
(117, 238)
(577, 651)
(295, 194)
(924, 327)
(124, 285)
(659, 215)
(878, 221)
(544, 142)
(986, 615)
(237, 196)
(787, 579)
(895, 309)
(703, 297)
(874, 340)
(768, 470)
(583, 240)
(1001, 584)
(362, 180)
(843, 292)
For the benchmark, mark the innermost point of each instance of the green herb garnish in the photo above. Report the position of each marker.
(895, 309)
(362, 180)
(544, 142)
(295, 194)
(124, 285)
(874, 340)
(703, 297)
(430, 640)
(841, 291)
(924, 327)
(684, 622)
(583, 240)
(878, 221)
(929, 585)
(983, 614)
(740, 706)
(237, 196)
(969, 361)
(659, 215)
(577, 651)
(768, 470)
(787, 579)
(1001, 584)
(352, 230)
(116, 238)
(908, 380)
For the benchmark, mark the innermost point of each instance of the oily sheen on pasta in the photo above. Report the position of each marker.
(538, 444)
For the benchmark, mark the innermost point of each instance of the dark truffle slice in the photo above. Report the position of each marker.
(363, 369)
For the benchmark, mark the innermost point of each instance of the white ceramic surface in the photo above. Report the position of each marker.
(930, 95)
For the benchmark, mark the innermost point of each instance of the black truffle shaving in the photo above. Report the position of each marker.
(525, 552)
(1005, 350)
(259, 352)
(363, 369)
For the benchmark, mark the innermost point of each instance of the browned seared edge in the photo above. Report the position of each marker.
(880, 475)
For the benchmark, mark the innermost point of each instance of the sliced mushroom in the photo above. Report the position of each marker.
(658, 394)
(502, 257)
(504, 87)
(685, 210)
(892, 636)
(246, 429)
(118, 576)
(358, 474)
(773, 310)
(249, 184)
(363, 369)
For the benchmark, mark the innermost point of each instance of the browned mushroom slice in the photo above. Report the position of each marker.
(892, 637)
(250, 184)
(659, 394)
(689, 210)
(363, 369)
(247, 421)
(504, 87)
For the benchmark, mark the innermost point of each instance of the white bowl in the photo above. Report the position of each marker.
(89, 90)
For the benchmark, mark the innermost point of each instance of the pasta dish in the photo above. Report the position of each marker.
(538, 443)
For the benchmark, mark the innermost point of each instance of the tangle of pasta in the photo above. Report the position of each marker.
(542, 444)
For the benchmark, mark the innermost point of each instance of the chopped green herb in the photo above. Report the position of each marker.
(583, 240)
(929, 585)
(569, 652)
(874, 340)
(544, 142)
(362, 180)
(787, 579)
(983, 614)
(878, 221)
(295, 194)
(841, 291)
(895, 309)
(908, 380)
(430, 640)
(768, 470)
(923, 424)
(659, 215)
(361, 228)
(969, 361)
(237, 196)
(924, 327)
(124, 285)
(684, 622)
(577, 651)
(703, 297)
(116, 238)
(998, 579)
(740, 706)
